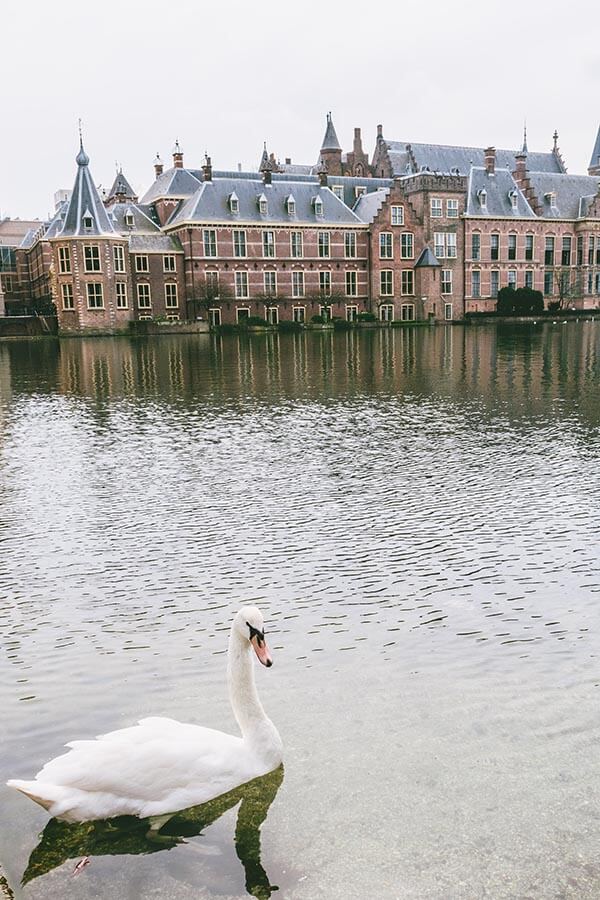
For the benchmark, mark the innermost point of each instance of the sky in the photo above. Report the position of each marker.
(223, 77)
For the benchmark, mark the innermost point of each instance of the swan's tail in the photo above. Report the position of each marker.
(44, 794)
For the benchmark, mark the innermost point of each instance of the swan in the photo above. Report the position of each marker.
(160, 766)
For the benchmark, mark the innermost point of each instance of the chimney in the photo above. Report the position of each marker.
(490, 160)
(177, 156)
(207, 168)
(267, 176)
(288, 160)
(357, 142)
(380, 132)
(322, 173)
(521, 166)
(158, 166)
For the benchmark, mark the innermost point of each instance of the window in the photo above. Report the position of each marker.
(439, 244)
(386, 312)
(444, 244)
(296, 245)
(121, 294)
(239, 243)
(494, 246)
(386, 249)
(141, 264)
(297, 284)
(325, 283)
(234, 204)
(338, 190)
(91, 258)
(407, 312)
(67, 296)
(214, 317)
(351, 284)
(448, 312)
(168, 263)
(263, 205)
(171, 301)
(210, 242)
(64, 260)
(476, 246)
(8, 284)
(241, 285)
(514, 200)
(579, 249)
(95, 297)
(549, 252)
(325, 311)
(565, 257)
(291, 206)
(212, 285)
(446, 281)
(359, 191)
(397, 215)
(451, 245)
(350, 244)
(591, 251)
(494, 282)
(270, 283)
(529, 278)
(299, 314)
(268, 243)
(272, 315)
(407, 281)
(476, 283)
(406, 246)
(386, 283)
(351, 313)
(512, 279)
(482, 196)
(144, 298)
(529, 247)
(242, 313)
(452, 209)
(512, 246)
(173, 317)
(436, 208)
(88, 222)
(548, 287)
(318, 206)
(119, 258)
(324, 244)
(129, 220)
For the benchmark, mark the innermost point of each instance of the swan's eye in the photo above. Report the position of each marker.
(255, 633)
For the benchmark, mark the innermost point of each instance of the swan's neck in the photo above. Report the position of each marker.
(257, 729)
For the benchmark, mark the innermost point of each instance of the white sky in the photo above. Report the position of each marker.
(224, 76)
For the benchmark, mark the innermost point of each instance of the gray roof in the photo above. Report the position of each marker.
(368, 206)
(142, 222)
(571, 192)
(330, 141)
(154, 243)
(595, 158)
(407, 157)
(498, 190)
(426, 259)
(121, 186)
(210, 203)
(173, 183)
(85, 202)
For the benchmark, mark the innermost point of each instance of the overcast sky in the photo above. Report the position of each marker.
(226, 76)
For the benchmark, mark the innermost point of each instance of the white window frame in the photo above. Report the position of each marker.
(272, 315)
(91, 258)
(407, 312)
(144, 295)
(351, 282)
(270, 275)
(386, 312)
(68, 300)
(169, 263)
(171, 295)
(446, 281)
(240, 244)
(299, 314)
(296, 245)
(121, 295)
(268, 244)
(350, 245)
(242, 290)
(386, 245)
(407, 282)
(64, 260)
(298, 284)
(351, 312)
(214, 316)
(436, 207)
(452, 209)
(407, 245)
(209, 241)
(386, 282)
(245, 310)
(396, 215)
(325, 282)
(324, 245)
(95, 295)
(141, 262)
(119, 259)
(448, 312)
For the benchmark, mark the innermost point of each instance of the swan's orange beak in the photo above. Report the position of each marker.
(262, 650)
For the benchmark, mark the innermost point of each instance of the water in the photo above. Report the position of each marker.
(415, 510)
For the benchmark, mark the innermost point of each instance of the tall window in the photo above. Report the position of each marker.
(406, 245)
(212, 285)
(351, 284)
(436, 208)
(171, 301)
(579, 249)
(451, 245)
(299, 314)
(239, 243)
(512, 246)
(324, 245)
(64, 260)
(144, 297)
(241, 285)
(67, 296)
(168, 263)
(591, 250)
(494, 246)
(268, 242)
(446, 281)
(476, 246)
(91, 258)
(512, 278)
(494, 282)
(476, 283)
(121, 294)
(549, 251)
(325, 283)
(141, 264)
(452, 209)
(529, 247)
(565, 257)
(350, 244)
(529, 278)
(407, 281)
(296, 245)
(297, 284)
(270, 283)
(444, 244)
(210, 242)
(95, 297)
(397, 215)
(386, 246)
(119, 257)
(386, 283)
(548, 286)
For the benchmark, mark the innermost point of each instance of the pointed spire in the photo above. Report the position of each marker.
(555, 139)
(121, 189)
(82, 159)
(330, 141)
(594, 167)
(85, 214)
(524, 147)
(264, 160)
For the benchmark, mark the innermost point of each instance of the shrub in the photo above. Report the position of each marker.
(317, 320)
(255, 320)
(519, 302)
(366, 317)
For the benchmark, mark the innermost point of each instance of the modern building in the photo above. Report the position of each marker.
(421, 232)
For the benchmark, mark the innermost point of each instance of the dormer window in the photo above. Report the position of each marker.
(482, 196)
(291, 205)
(129, 220)
(550, 198)
(88, 221)
(318, 206)
(514, 200)
(234, 204)
(263, 205)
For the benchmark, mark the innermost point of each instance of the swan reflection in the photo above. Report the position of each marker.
(128, 835)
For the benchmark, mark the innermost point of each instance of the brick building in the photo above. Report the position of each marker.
(421, 232)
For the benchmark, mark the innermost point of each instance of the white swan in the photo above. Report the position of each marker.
(160, 766)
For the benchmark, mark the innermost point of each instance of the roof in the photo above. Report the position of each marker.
(85, 203)
(173, 183)
(595, 158)
(330, 141)
(407, 157)
(499, 189)
(426, 259)
(210, 203)
(12, 231)
(368, 205)
(570, 192)
(121, 186)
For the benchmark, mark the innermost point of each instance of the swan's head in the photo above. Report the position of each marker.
(249, 624)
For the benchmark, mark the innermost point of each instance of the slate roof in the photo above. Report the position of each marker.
(85, 201)
(498, 188)
(427, 259)
(121, 186)
(210, 203)
(367, 206)
(330, 140)
(595, 157)
(173, 183)
(444, 158)
(571, 191)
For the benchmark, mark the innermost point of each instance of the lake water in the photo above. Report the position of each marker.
(415, 510)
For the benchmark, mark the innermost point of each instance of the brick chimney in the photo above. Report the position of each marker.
(490, 160)
(380, 132)
(158, 166)
(207, 168)
(520, 167)
(322, 172)
(177, 156)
